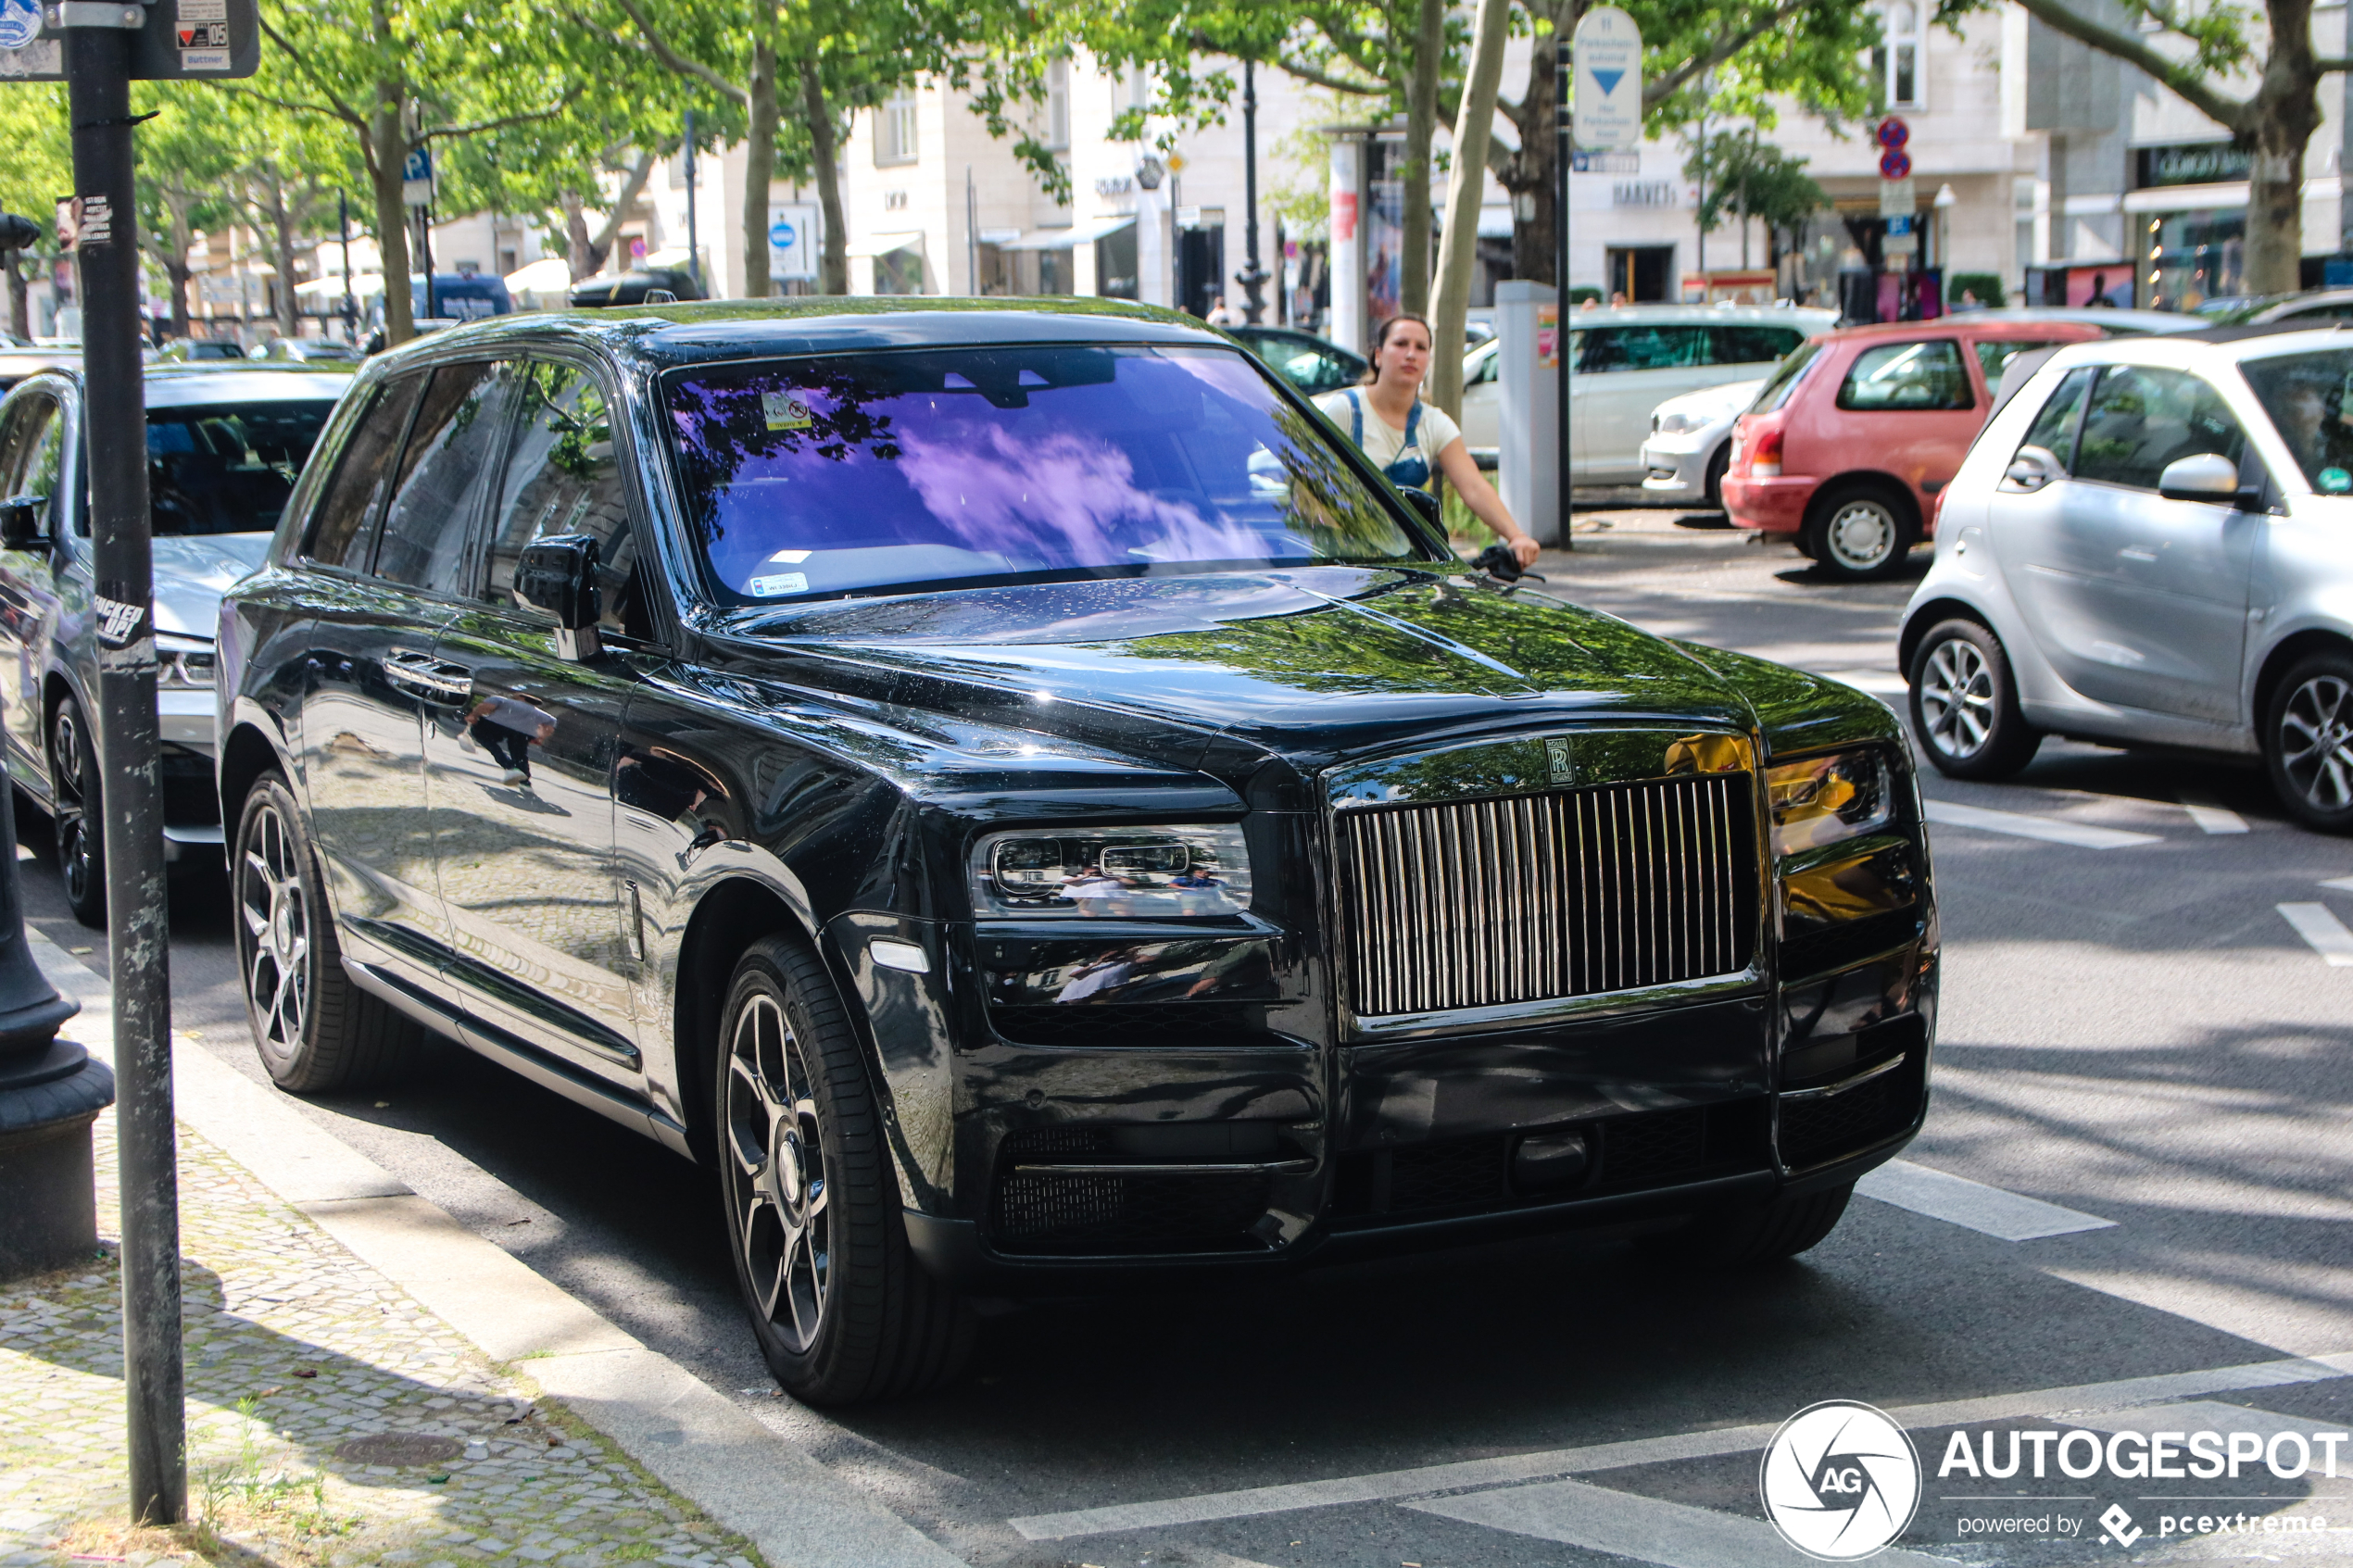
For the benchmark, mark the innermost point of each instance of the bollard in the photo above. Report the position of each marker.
(50, 1092)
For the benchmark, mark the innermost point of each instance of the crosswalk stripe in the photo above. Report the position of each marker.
(2324, 930)
(2008, 1216)
(2210, 814)
(1423, 1480)
(1671, 1535)
(2051, 830)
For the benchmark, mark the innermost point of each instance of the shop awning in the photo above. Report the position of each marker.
(1073, 237)
(882, 245)
(1494, 222)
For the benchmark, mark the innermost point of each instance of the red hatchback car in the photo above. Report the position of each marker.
(1852, 438)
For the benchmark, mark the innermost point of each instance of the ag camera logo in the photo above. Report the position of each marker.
(1840, 1481)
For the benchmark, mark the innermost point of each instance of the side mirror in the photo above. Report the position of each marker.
(1433, 511)
(21, 522)
(2033, 468)
(558, 574)
(2203, 476)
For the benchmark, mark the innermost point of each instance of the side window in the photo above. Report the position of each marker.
(1600, 349)
(14, 438)
(1662, 348)
(1751, 344)
(1910, 376)
(2054, 429)
(39, 469)
(343, 529)
(563, 477)
(2141, 419)
(1994, 354)
(445, 473)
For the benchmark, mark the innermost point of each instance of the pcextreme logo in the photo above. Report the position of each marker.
(1840, 1481)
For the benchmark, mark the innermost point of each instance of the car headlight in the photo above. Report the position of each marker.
(1823, 799)
(1670, 424)
(184, 662)
(1098, 874)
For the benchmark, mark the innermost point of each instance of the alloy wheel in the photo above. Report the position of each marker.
(1956, 699)
(276, 911)
(76, 857)
(776, 1173)
(2316, 742)
(1860, 535)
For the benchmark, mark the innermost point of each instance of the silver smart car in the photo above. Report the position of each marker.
(225, 444)
(2153, 542)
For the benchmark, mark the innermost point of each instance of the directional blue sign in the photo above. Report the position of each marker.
(1608, 81)
(780, 235)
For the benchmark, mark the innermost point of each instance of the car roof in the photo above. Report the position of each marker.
(2120, 323)
(188, 384)
(1969, 323)
(1802, 317)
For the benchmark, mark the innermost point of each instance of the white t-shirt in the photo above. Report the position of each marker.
(1384, 443)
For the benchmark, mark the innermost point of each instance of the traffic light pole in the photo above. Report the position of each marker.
(1563, 154)
(98, 63)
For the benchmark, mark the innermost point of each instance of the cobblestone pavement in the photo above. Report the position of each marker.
(330, 1420)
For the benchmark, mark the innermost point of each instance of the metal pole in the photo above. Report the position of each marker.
(425, 248)
(972, 234)
(115, 445)
(350, 301)
(1563, 66)
(694, 245)
(1253, 276)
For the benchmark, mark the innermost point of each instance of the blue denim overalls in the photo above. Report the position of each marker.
(1411, 471)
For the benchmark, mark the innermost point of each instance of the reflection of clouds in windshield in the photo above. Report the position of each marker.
(995, 490)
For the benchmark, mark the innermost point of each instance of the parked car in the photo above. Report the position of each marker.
(1691, 442)
(18, 363)
(224, 445)
(1847, 446)
(956, 770)
(635, 287)
(1628, 360)
(2112, 323)
(306, 351)
(201, 350)
(1308, 363)
(2310, 306)
(2148, 545)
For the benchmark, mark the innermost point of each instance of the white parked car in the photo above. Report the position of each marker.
(2148, 544)
(1691, 442)
(1626, 361)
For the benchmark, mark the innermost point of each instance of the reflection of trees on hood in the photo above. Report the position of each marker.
(722, 426)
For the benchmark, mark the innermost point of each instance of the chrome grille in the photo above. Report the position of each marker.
(1476, 903)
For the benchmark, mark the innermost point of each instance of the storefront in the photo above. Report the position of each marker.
(2187, 217)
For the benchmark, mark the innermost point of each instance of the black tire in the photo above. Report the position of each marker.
(2307, 741)
(1965, 706)
(79, 815)
(1753, 1233)
(1717, 466)
(1860, 532)
(314, 1028)
(842, 1310)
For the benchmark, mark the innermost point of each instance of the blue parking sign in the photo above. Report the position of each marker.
(780, 235)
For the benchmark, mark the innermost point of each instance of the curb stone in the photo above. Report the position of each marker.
(686, 1433)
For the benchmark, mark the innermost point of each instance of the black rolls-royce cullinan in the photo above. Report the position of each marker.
(1017, 794)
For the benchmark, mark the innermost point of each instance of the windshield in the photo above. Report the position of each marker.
(2309, 398)
(228, 468)
(1784, 379)
(922, 468)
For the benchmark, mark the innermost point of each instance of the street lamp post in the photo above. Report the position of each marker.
(1253, 277)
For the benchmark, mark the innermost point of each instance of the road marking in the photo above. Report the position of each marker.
(2210, 814)
(2207, 1415)
(1956, 1200)
(1672, 1534)
(2322, 929)
(2051, 830)
(1391, 1484)
(2342, 884)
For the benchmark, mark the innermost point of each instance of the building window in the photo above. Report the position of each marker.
(1058, 105)
(894, 201)
(1899, 59)
(894, 128)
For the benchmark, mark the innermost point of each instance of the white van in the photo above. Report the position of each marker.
(1630, 359)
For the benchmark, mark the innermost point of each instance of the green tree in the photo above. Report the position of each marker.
(38, 170)
(1746, 176)
(2200, 52)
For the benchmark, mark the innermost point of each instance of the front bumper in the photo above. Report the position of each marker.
(1675, 469)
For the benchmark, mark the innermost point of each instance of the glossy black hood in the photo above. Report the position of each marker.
(1308, 663)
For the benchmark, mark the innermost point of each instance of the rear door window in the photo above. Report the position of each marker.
(1748, 343)
(343, 530)
(2054, 428)
(445, 474)
(1913, 377)
(1665, 346)
(2141, 419)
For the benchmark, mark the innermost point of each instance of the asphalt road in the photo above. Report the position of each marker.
(2132, 1031)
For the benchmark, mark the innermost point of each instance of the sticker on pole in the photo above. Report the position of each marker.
(19, 23)
(1609, 81)
(175, 41)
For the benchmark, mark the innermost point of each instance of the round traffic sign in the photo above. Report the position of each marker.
(780, 235)
(1893, 132)
(1894, 166)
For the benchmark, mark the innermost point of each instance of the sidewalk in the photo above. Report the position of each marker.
(368, 1382)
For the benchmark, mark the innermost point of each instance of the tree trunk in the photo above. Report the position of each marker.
(19, 307)
(175, 265)
(1421, 129)
(582, 255)
(282, 257)
(385, 150)
(1458, 253)
(1530, 174)
(833, 267)
(760, 167)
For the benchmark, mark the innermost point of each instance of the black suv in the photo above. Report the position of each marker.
(1018, 795)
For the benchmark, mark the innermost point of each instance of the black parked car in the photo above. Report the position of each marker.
(1017, 794)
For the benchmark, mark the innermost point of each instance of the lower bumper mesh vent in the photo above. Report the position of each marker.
(1824, 1127)
(1078, 1212)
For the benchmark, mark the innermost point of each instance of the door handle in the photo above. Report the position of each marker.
(425, 673)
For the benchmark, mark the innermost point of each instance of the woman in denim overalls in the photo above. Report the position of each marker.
(1411, 440)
